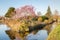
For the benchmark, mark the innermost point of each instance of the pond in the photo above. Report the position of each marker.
(3, 35)
(41, 35)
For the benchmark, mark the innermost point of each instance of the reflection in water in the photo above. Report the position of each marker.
(13, 35)
(41, 35)
(6, 34)
(10, 34)
(3, 35)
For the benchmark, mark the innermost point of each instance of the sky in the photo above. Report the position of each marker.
(39, 5)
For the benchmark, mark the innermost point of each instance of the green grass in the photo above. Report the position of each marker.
(55, 34)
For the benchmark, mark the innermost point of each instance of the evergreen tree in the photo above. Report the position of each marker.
(48, 14)
(10, 12)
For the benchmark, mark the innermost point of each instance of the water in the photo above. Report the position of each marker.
(3, 35)
(41, 35)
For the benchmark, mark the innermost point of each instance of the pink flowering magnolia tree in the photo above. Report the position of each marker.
(24, 11)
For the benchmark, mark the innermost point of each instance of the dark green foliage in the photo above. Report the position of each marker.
(9, 12)
(34, 18)
(44, 18)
